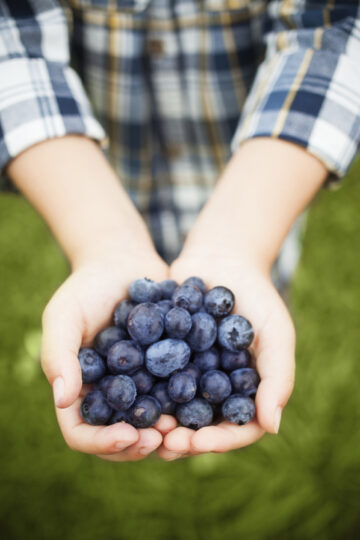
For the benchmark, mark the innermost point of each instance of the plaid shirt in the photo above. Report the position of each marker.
(177, 85)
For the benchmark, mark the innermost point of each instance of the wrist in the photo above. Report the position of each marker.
(241, 248)
(216, 269)
(116, 246)
(196, 250)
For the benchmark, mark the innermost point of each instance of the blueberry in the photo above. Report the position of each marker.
(103, 384)
(94, 409)
(106, 338)
(145, 323)
(92, 365)
(193, 370)
(121, 392)
(164, 306)
(215, 386)
(238, 409)
(182, 387)
(203, 332)
(235, 360)
(166, 356)
(160, 392)
(145, 290)
(121, 313)
(178, 322)
(219, 301)
(145, 412)
(196, 282)
(168, 287)
(245, 381)
(143, 381)
(187, 297)
(195, 414)
(125, 357)
(207, 360)
(118, 416)
(235, 333)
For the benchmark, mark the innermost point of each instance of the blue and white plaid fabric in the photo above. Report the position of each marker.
(177, 85)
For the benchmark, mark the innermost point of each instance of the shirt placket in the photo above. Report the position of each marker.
(162, 50)
(167, 137)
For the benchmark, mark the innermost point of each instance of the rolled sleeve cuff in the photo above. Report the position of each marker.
(39, 101)
(311, 98)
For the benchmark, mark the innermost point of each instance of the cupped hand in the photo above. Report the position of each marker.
(80, 308)
(273, 348)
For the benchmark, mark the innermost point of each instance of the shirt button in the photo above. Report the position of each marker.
(156, 47)
(173, 151)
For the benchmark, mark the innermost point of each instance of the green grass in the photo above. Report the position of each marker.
(303, 484)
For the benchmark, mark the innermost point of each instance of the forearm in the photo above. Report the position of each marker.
(263, 189)
(72, 186)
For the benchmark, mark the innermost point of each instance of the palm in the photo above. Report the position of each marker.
(258, 301)
(96, 289)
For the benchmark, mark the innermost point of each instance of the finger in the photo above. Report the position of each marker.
(166, 455)
(62, 335)
(165, 424)
(276, 367)
(179, 440)
(93, 439)
(225, 436)
(149, 440)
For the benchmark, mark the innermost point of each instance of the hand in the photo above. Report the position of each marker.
(237, 236)
(79, 309)
(70, 183)
(273, 347)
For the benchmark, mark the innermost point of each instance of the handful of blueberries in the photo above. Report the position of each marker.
(172, 350)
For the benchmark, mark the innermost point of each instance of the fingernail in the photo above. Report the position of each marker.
(121, 445)
(58, 390)
(277, 419)
(145, 451)
(174, 456)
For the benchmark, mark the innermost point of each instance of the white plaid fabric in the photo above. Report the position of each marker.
(307, 90)
(177, 85)
(40, 95)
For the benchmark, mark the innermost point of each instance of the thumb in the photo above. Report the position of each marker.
(276, 367)
(62, 336)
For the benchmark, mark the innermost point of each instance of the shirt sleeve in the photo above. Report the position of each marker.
(41, 96)
(307, 90)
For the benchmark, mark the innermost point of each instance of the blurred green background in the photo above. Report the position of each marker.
(302, 484)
